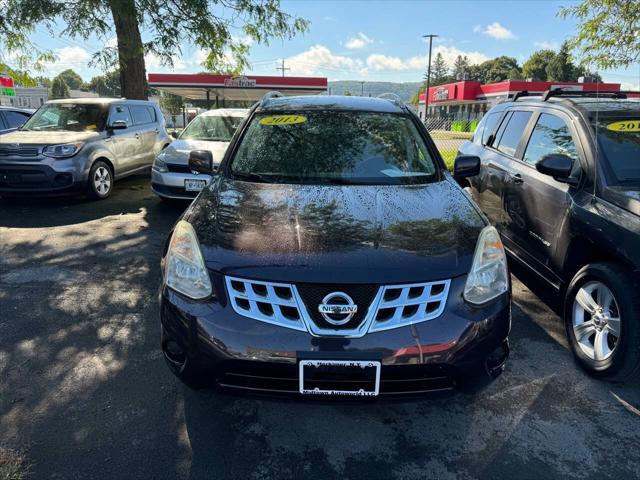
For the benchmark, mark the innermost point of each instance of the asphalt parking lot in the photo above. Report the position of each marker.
(84, 392)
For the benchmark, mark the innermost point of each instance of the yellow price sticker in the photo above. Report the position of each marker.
(625, 126)
(283, 120)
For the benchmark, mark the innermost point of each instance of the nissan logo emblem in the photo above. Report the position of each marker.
(337, 308)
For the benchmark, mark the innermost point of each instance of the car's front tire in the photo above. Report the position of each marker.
(100, 182)
(601, 320)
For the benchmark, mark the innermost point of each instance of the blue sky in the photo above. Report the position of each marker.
(379, 40)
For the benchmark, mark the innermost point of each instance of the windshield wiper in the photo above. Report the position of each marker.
(251, 177)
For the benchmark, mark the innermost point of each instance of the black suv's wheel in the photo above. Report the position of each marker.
(181, 365)
(601, 318)
(100, 181)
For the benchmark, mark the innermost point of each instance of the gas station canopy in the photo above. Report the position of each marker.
(218, 88)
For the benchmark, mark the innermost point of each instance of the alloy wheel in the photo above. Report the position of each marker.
(596, 320)
(102, 180)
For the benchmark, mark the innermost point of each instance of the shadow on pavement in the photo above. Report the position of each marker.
(130, 195)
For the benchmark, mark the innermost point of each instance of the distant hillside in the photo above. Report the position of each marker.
(404, 90)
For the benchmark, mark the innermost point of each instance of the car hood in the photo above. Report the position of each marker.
(627, 197)
(46, 138)
(336, 234)
(178, 151)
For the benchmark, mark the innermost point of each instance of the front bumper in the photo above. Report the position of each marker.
(465, 346)
(171, 184)
(45, 176)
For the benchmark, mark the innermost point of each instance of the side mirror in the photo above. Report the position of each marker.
(558, 166)
(118, 125)
(174, 134)
(201, 161)
(466, 166)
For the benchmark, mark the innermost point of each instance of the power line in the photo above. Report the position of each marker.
(282, 68)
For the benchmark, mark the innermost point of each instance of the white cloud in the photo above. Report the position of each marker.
(154, 64)
(318, 58)
(378, 62)
(359, 41)
(76, 58)
(495, 30)
(547, 45)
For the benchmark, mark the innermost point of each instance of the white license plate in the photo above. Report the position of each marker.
(194, 185)
(359, 378)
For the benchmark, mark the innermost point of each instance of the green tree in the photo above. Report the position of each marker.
(500, 69)
(72, 79)
(168, 26)
(59, 89)
(536, 66)
(608, 34)
(439, 71)
(461, 68)
(171, 104)
(107, 85)
(44, 81)
(560, 68)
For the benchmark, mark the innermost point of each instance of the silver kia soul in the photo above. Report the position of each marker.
(211, 131)
(81, 145)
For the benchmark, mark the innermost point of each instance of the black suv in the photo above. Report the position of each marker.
(333, 254)
(560, 180)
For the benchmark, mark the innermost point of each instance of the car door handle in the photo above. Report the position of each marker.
(137, 135)
(516, 178)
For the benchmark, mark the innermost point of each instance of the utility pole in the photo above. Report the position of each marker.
(282, 67)
(362, 89)
(426, 97)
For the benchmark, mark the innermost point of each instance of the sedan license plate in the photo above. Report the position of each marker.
(360, 378)
(194, 185)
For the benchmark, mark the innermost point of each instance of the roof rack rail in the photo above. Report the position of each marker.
(393, 98)
(564, 92)
(268, 96)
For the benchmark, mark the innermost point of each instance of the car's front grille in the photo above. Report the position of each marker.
(265, 301)
(313, 295)
(19, 151)
(378, 307)
(174, 167)
(403, 304)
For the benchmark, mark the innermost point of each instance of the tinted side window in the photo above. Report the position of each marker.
(121, 112)
(550, 135)
(15, 119)
(510, 138)
(140, 114)
(2, 125)
(490, 125)
(152, 112)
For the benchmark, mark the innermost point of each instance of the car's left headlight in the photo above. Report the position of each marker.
(489, 276)
(159, 164)
(184, 269)
(62, 151)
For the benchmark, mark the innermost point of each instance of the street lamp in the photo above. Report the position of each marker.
(426, 97)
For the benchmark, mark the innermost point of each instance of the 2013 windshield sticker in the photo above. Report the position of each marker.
(283, 120)
(625, 126)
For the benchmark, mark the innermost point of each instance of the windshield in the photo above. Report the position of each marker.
(619, 141)
(68, 117)
(212, 128)
(334, 147)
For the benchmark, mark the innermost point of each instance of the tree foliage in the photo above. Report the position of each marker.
(211, 25)
(107, 85)
(72, 79)
(59, 89)
(461, 68)
(608, 32)
(535, 67)
(560, 68)
(439, 71)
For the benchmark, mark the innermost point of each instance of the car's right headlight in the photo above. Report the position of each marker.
(489, 276)
(184, 269)
(159, 165)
